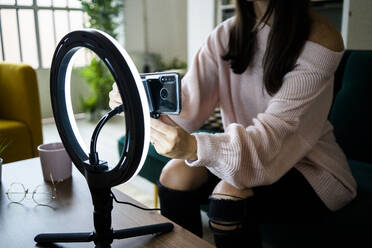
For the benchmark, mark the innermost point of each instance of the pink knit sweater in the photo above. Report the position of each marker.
(266, 136)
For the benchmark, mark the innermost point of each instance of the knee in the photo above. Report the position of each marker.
(229, 214)
(234, 222)
(224, 190)
(178, 176)
(228, 207)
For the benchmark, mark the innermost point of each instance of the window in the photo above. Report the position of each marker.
(225, 10)
(31, 29)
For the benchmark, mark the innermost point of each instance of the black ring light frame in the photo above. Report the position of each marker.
(99, 177)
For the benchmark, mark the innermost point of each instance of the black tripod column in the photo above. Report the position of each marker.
(102, 202)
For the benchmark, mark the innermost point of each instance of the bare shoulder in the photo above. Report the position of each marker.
(325, 34)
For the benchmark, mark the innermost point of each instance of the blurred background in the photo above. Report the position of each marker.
(158, 34)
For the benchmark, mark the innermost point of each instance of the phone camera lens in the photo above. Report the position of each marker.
(163, 93)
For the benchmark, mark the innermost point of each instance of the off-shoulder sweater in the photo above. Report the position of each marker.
(266, 136)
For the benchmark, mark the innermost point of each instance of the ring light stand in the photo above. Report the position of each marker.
(99, 177)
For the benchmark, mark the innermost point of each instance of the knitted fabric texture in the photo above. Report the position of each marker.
(265, 136)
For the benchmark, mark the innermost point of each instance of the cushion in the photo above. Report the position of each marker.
(19, 101)
(362, 173)
(343, 228)
(350, 114)
(154, 162)
(153, 165)
(349, 226)
(18, 137)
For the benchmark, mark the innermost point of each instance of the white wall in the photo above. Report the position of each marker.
(200, 22)
(133, 25)
(357, 24)
(167, 28)
(166, 25)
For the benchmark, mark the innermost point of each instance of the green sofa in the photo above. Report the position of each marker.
(352, 120)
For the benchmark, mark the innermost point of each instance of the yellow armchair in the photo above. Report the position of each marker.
(20, 116)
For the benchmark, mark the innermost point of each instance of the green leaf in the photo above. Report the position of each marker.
(102, 15)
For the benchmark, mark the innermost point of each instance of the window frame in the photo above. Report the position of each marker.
(36, 9)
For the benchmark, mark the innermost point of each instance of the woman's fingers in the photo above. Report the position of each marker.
(168, 120)
(165, 119)
(115, 86)
(157, 143)
(162, 127)
(114, 95)
(114, 104)
(115, 98)
(160, 142)
(157, 134)
(163, 137)
(173, 141)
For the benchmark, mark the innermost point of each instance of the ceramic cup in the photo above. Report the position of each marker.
(55, 162)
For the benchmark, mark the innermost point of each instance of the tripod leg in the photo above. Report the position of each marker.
(64, 237)
(143, 230)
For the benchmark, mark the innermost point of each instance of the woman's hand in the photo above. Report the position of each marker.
(171, 140)
(115, 98)
(168, 138)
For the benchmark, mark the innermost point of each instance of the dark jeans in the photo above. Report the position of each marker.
(289, 200)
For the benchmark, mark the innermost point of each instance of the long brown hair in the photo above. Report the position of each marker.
(289, 32)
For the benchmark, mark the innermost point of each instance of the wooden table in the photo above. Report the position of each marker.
(72, 211)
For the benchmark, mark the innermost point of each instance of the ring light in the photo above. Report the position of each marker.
(132, 92)
(99, 177)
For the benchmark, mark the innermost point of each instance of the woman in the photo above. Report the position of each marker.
(270, 69)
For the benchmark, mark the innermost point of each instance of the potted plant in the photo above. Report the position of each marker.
(103, 15)
(100, 81)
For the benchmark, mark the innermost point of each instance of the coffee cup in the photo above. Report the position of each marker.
(55, 162)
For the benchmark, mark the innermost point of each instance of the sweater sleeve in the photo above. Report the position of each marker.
(200, 84)
(259, 154)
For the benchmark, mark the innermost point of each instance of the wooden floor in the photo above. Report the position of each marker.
(138, 188)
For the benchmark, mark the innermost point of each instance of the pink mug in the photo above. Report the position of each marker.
(55, 162)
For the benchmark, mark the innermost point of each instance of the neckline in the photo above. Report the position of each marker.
(266, 29)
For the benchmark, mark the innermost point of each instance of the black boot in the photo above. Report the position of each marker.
(182, 207)
(237, 217)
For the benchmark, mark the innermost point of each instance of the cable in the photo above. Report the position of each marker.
(133, 205)
(93, 155)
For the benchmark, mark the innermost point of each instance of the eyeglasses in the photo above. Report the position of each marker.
(43, 194)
